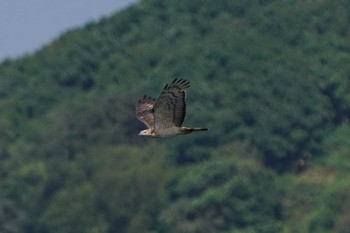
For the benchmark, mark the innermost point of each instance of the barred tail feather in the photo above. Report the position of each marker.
(186, 130)
(199, 129)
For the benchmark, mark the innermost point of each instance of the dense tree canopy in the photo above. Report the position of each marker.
(270, 79)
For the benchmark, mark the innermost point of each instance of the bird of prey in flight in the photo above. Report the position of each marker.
(164, 116)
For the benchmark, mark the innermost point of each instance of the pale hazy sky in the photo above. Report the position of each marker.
(27, 25)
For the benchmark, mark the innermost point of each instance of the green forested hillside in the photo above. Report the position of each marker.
(270, 79)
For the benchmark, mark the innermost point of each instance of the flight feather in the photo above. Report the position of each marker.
(165, 115)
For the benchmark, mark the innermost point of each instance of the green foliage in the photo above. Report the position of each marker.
(225, 194)
(270, 79)
(73, 210)
(337, 146)
(12, 218)
(130, 183)
(333, 211)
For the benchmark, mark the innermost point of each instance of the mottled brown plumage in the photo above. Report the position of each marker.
(165, 115)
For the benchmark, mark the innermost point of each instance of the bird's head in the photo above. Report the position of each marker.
(146, 132)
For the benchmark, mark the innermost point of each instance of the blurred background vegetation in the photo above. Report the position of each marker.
(270, 79)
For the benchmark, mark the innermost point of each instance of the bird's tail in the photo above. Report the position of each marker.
(186, 130)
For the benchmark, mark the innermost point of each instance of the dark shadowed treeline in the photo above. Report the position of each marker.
(270, 79)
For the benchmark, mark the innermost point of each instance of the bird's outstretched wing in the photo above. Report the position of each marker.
(144, 111)
(170, 107)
